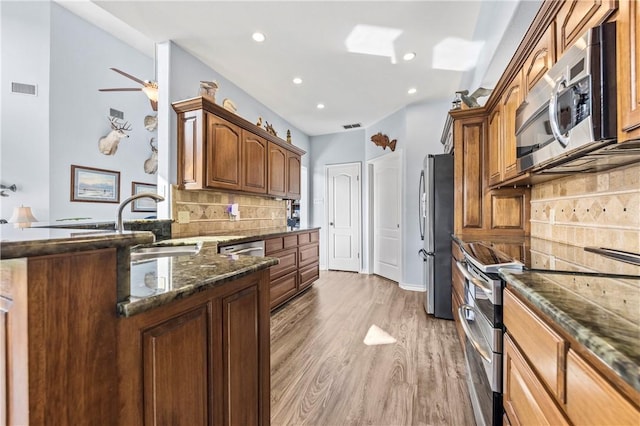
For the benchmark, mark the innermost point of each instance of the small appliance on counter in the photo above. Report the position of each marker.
(436, 227)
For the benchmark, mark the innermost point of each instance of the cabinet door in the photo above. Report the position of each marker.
(540, 60)
(254, 163)
(177, 370)
(293, 176)
(190, 150)
(495, 146)
(469, 139)
(526, 402)
(511, 100)
(241, 348)
(223, 154)
(576, 17)
(277, 170)
(628, 33)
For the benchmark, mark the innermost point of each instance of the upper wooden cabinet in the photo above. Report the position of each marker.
(576, 17)
(540, 60)
(495, 146)
(509, 104)
(628, 46)
(220, 150)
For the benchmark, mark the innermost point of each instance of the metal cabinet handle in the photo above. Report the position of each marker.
(475, 281)
(467, 331)
(247, 250)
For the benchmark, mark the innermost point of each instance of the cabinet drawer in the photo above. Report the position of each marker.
(543, 347)
(308, 254)
(593, 401)
(525, 399)
(282, 288)
(308, 275)
(290, 241)
(288, 263)
(273, 244)
(308, 237)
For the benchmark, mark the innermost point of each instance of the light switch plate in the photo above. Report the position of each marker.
(183, 217)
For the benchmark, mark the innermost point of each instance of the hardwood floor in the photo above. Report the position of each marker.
(323, 374)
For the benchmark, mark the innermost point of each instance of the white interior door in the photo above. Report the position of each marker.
(387, 197)
(343, 216)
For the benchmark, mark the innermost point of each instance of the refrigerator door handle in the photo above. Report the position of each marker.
(425, 254)
(421, 206)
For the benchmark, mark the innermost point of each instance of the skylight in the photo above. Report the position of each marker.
(372, 40)
(456, 54)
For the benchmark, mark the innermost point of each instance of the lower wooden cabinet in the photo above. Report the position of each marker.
(299, 264)
(457, 290)
(199, 361)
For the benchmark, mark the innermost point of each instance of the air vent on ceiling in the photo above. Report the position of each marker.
(115, 113)
(23, 88)
(352, 126)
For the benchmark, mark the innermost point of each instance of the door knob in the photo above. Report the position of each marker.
(330, 223)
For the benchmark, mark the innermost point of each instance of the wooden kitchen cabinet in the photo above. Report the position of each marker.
(494, 143)
(457, 290)
(628, 65)
(540, 60)
(299, 264)
(511, 100)
(576, 17)
(254, 164)
(200, 360)
(220, 150)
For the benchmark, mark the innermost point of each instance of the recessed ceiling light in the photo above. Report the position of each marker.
(409, 56)
(412, 91)
(297, 80)
(259, 37)
(320, 106)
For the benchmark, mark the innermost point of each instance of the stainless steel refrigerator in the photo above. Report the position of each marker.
(436, 227)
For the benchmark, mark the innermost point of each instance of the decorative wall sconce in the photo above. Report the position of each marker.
(4, 189)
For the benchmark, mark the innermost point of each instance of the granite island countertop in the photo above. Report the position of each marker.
(601, 312)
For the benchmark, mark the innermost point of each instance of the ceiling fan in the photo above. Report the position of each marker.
(149, 88)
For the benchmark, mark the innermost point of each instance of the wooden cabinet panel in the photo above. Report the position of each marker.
(288, 263)
(628, 63)
(576, 17)
(224, 153)
(540, 60)
(543, 347)
(273, 245)
(510, 209)
(241, 357)
(314, 236)
(457, 301)
(308, 254)
(290, 241)
(283, 288)
(254, 163)
(308, 275)
(277, 170)
(293, 176)
(526, 402)
(172, 352)
(190, 154)
(469, 139)
(494, 146)
(511, 100)
(591, 400)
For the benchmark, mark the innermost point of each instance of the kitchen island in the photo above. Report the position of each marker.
(81, 350)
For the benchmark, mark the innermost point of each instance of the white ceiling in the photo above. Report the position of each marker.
(307, 39)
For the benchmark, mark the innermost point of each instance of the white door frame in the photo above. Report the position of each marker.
(371, 208)
(326, 208)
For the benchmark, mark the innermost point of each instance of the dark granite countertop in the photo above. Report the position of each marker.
(240, 237)
(26, 242)
(600, 312)
(159, 281)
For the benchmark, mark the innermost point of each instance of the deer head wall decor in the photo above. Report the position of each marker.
(108, 144)
(151, 163)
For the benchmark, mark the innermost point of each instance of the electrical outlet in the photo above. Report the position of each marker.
(183, 217)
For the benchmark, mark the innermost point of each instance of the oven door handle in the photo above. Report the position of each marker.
(246, 250)
(475, 281)
(467, 331)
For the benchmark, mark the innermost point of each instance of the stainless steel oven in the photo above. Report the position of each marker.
(481, 319)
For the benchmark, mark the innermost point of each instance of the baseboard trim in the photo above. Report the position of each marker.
(412, 287)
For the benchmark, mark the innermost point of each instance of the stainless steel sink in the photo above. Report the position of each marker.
(154, 252)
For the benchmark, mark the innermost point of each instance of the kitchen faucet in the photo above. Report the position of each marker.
(155, 197)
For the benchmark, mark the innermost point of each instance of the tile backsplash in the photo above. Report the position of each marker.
(207, 212)
(590, 209)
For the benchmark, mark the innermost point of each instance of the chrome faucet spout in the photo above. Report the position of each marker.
(119, 222)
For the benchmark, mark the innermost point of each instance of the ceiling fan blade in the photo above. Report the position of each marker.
(122, 89)
(137, 80)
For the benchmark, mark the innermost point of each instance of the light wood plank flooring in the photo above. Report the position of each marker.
(323, 374)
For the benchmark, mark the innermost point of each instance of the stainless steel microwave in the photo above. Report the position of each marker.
(571, 111)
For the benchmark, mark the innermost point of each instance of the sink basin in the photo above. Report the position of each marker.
(154, 252)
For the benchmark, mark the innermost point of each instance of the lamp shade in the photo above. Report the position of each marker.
(22, 216)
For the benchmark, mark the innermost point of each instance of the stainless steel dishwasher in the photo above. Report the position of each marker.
(253, 248)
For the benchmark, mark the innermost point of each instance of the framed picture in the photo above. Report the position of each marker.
(143, 204)
(94, 185)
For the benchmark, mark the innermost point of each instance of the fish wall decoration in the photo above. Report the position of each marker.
(383, 140)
